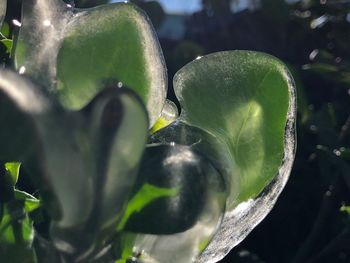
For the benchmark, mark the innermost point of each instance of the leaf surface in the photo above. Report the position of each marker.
(244, 99)
(76, 53)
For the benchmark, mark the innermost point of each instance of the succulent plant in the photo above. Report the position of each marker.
(77, 112)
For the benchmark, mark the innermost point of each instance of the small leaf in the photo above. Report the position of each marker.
(147, 194)
(169, 114)
(30, 202)
(12, 170)
(5, 30)
(8, 43)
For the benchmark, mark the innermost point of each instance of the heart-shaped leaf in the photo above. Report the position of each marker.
(75, 53)
(238, 109)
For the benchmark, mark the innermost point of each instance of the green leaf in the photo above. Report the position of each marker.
(176, 227)
(16, 234)
(30, 202)
(5, 30)
(101, 166)
(76, 53)
(12, 170)
(238, 110)
(169, 114)
(243, 99)
(147, 194)
(8, 43)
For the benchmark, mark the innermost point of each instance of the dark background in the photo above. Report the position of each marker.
(309, 222)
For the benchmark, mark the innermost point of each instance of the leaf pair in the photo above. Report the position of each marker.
(238, 112)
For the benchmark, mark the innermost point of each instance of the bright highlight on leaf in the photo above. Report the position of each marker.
(169, 114)
(12, 170)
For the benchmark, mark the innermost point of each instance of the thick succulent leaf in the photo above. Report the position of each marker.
(3, 4)
(78, 52)
(93, 167)
(175, 227)
(246, 102)
(118, 156)
(244, 99)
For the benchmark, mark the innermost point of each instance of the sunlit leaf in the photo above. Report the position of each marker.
(243, 98)
(169, 114)
(5, 30)
(12, 169)
(238, 109)
(30, 202)
(76, 53)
